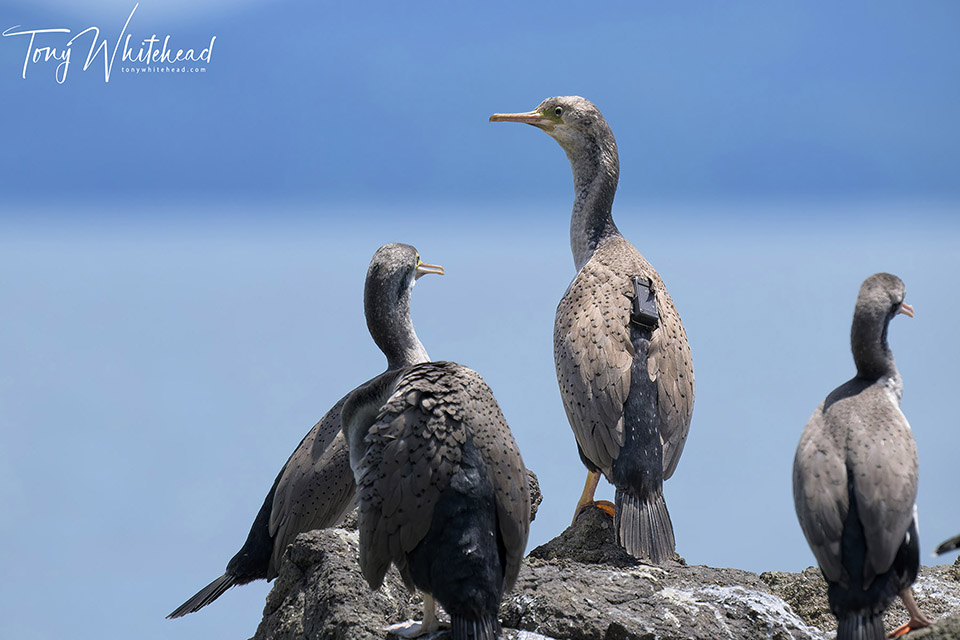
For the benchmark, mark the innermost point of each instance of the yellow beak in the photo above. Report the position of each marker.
(535, 118)
(423, 269)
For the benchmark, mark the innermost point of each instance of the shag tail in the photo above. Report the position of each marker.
(949, 545)
(861, 627)
(643, 527)
(205, 596)
(487, 628)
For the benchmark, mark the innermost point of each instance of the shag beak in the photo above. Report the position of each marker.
(423, 269)
(535, 118)
(905, 309)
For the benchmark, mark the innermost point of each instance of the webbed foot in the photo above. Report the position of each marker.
(917, 619)
(414, 629)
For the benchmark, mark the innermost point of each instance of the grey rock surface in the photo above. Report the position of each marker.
(536, 497)
(319, 593)
(580, 586)
(937, 592)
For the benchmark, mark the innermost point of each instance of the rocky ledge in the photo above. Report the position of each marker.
(581, 586)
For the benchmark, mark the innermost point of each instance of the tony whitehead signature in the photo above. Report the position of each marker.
(147, 52)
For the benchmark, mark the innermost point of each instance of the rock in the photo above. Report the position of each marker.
(806, 593)
(590, 541)
(583, 586)
(947, 628)
(565, 599)
(349, 521)
(319, 593)
(937, 592)
(580, 586)
(536, 497)
(938, 589)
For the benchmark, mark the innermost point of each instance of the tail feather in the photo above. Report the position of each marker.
(861, 627)
(486, 628)
(205, 596)
(948, 545)
(643, 527)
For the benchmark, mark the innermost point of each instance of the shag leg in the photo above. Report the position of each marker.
(430, 623)
(586, 498)
(412, 629)
(589, 488)
(917, 619)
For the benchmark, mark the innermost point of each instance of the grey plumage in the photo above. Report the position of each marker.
(855, 474)
(627, 391)
(315, 487)
(594, 356)
(441, 487)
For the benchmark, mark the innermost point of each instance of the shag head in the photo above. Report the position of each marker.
(572, 121)
(585, 136)
(393, 271)
(880, 299)
(882, 295)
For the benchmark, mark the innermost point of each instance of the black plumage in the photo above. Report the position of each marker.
(641, 518)
(948, 545)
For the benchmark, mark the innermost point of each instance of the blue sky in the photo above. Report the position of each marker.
(182, 260)
(384, 100)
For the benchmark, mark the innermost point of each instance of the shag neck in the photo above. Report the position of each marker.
(871, 353)
(392, 330)
(595, 175)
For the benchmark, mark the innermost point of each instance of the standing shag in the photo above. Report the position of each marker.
(442, 492)
(315, 488)
(622, 357)
(855, 478)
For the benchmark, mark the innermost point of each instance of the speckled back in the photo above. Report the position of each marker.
(316, 486)
(412, 451)
(858, 434)
(593, 355)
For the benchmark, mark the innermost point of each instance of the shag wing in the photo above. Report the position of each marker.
(315, 488)
(883, 461)
(414, 448)
(411, 451)
(593, 355)
(505, 468)
(671, 366)
(820, 493)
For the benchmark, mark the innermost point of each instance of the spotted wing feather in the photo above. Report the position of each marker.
(493, 439)
(860, 440)
(820, 492)
(315, 488)
(671, 366)
(883, 460)
(412, 451)
(593, 355)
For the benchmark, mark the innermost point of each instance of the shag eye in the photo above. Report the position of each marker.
(558, 111)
